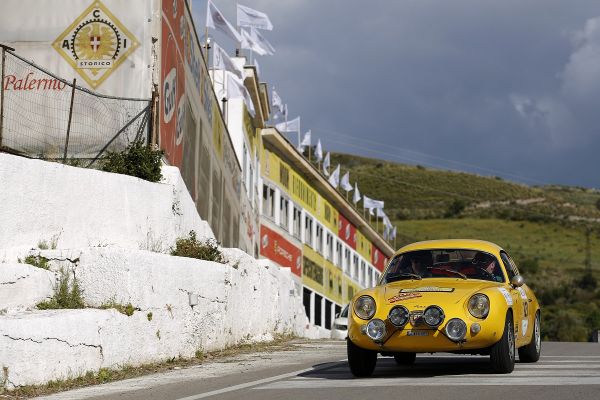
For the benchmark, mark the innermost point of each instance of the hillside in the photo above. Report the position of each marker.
(416, 192)
(544, 228)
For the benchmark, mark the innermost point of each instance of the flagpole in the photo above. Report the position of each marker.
(309, 153)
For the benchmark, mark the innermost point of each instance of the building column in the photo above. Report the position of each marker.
(277, 211)
(302, 225)
(312, 307)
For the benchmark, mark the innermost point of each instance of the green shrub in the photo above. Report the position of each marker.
(587, 281)
(149, 316)
(191, 247)
(529, 266)
(455, 208)
(67, 294)
(137, 160)
(37, 261)
(128, 309)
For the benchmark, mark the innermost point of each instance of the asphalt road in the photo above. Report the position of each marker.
(318, 370)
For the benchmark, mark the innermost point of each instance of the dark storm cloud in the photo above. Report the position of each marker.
(509, 88)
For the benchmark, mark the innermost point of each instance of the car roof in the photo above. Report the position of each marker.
(470, 244)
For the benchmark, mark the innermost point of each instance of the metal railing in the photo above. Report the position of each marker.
(47, 117)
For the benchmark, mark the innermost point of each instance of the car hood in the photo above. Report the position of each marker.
(433, 290)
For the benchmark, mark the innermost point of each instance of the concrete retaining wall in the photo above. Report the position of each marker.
(103, 227)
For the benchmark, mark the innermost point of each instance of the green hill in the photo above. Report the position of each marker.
(544, 228)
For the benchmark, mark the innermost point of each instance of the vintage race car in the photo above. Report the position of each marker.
(459, 296)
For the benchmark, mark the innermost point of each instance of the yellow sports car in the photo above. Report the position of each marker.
(459, 296)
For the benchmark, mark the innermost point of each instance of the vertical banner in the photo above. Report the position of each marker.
(378, 259)
(347, 231)
(172, 99)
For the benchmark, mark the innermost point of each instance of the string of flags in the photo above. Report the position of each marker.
(250, 22)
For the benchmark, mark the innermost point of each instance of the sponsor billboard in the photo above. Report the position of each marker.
(105, 44)
(347, 231)
(378, 259)
(277, 248)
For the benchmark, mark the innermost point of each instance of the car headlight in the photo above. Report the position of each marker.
(479, 305)
(433, 316)
(398, 316)
(376, 329)
(365, 307)
(456, 329)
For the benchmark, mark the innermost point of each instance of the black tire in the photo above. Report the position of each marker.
(405, 358)
(502, 354)
(362, 362)
(530, 353)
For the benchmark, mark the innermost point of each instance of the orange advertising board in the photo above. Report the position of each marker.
(280, 250)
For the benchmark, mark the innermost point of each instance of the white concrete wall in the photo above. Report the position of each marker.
(77, 207)
(105, 225)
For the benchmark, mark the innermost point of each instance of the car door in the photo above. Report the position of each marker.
(521, 317)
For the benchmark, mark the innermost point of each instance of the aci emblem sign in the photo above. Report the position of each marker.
(95, 44)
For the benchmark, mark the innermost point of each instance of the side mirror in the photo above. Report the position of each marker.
(337, 315)
(517, 281)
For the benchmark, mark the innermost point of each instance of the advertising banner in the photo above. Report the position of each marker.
(105, 44)
(378, 259)
(276, 248)
(347, 231)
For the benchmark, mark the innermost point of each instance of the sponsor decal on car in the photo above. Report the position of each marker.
(404, 296)
(417, 333)
(428, 289)
(507, 296)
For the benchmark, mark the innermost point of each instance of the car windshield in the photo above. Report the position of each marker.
(344, 313)
(444, 263)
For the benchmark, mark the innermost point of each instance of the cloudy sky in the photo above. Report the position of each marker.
(506, 88)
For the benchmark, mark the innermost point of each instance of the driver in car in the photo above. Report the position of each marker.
(420, 261)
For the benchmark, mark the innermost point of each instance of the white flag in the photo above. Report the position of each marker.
(262, 42)
(326, 162)
(236, 89)
(372, 204)
(319, 151)
(345, 183)
(276, 101)
(356, 197)
(334, 179)
(289, 126)
(257, 68)
(285, 112)
(248, 42)
(380, 213)
(247, 16)
(216, 20)
(306, 139)
(386, 233)
(222, 61)
(393, 236)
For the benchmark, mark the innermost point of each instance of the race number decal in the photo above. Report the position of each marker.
(507, 296)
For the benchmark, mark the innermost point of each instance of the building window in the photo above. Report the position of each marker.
(338, 253)
(369, 277)
(361, 278)
(347, 257)
(284, 176)
(308, 230)
(319, 238)
(268, 208)
(329, 247)
(355, 267)
(297, 222)
(284, 212)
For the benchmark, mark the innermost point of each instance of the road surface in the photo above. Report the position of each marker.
(318, 370)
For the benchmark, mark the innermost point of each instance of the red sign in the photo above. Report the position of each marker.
(378, 259)
(172, 81)
(347, 231)
(276, 248)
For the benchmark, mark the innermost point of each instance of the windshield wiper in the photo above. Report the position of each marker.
(397, 277)
(457, 273)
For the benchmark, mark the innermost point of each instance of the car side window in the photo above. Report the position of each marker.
(511, 269)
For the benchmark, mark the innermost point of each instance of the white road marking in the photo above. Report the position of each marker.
(253, 383)
(569, 370)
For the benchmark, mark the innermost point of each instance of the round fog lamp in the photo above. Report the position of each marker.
(376, 329)
(433, 316)
(398, 316)
(475, 328)
(456, 329)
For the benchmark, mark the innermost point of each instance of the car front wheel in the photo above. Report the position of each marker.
(502, 354)
(362, 362)
(531, 352)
